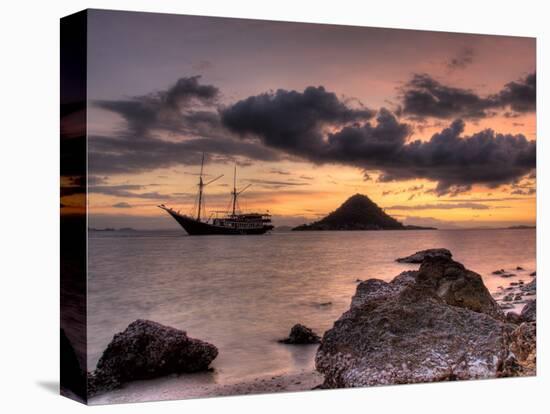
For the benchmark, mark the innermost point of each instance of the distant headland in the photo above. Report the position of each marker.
(358, 213)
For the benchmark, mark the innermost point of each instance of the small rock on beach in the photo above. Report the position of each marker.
(301, 335)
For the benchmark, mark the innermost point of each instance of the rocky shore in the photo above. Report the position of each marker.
(437, 323)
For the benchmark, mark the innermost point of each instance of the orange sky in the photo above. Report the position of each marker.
(248, 58)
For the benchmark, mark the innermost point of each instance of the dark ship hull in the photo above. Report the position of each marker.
(230, 224)
(199, 228)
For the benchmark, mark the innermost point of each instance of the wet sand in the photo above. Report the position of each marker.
(183, 387)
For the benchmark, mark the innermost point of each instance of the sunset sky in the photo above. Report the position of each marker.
(437, 128)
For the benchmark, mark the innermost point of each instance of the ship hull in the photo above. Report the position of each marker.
(198, 228)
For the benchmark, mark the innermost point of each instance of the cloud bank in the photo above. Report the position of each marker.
(453, 160)
(318, 126)
(423, 96)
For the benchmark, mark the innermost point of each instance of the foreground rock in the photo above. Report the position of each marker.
(419, 257)
(438, 323)
(147, 349)
(301, 335)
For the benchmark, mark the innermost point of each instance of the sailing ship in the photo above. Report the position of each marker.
(231, 223)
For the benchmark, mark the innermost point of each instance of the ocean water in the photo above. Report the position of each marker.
(243, 293)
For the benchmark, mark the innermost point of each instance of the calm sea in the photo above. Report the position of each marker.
(242, 293)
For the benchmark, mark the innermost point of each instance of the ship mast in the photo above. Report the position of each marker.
(235, 193)
(202, 184)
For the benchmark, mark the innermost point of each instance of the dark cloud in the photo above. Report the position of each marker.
(168, 109)
(423, 96)
(455, 161)
(318, 126)
(520, 96)
(280, 117)
(187, 90)
(188, 110)
(464, 58)
(115, 155)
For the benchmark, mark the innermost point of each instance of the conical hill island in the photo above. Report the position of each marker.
(358, 213)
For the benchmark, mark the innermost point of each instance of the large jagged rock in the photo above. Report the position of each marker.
(439, 323)
(301, 335)
(147, 349)
(457, 285)
(419, 257)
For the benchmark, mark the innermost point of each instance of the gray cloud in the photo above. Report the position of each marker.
(115, 155)
(520, 96)
(455, 161)
(280, 117)
(168, 109)
(189, 110)
(317, 126)
(423, 96)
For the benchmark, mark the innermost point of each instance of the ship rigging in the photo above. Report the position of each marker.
(232, 223)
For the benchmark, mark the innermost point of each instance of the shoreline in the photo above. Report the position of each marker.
(509, 300)
(186, 387)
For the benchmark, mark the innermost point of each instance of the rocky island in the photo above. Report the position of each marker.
(358, 213)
